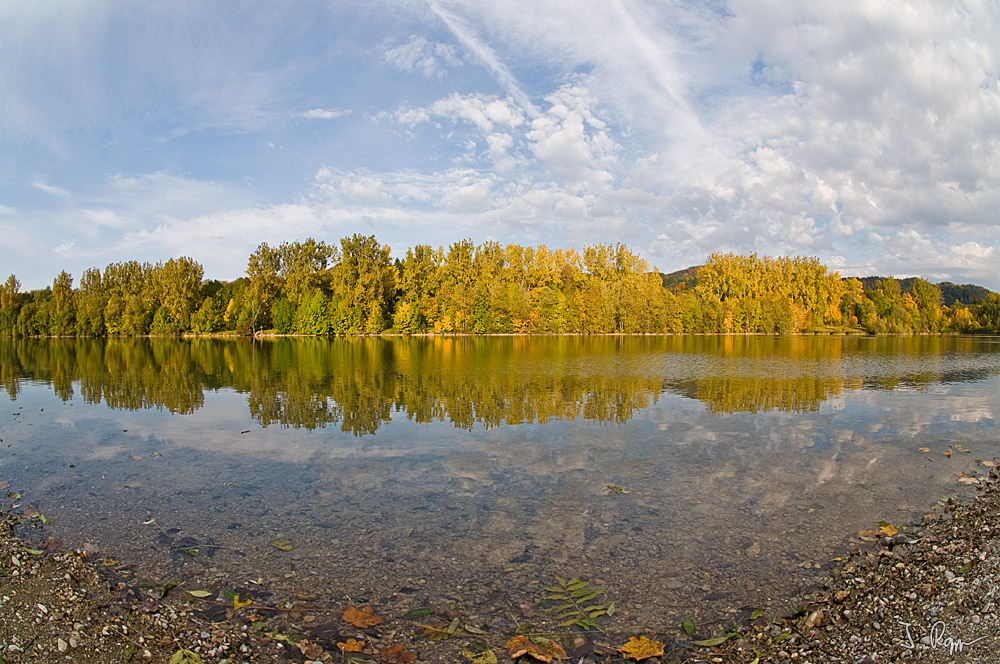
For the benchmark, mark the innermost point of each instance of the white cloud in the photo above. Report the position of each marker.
(324, 113)
(59, 192)
(432, 59)
(867, 134)
(411, 117)
(471, 194)
(481, 110)
(570, 140)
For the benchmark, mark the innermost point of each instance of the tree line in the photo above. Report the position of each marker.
(356, 287)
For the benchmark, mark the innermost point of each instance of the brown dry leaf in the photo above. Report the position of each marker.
(639, 648)
(30, 512)
(540, 648)
(989, 464)
(4, 484)
(309, 649)
(925, 449)
(352, 645)
(361, 618)
(948, 453)
(397, 654)
(869, 534)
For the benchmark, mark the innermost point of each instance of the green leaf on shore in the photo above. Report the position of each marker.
(185, 656)
(689, 627)
(714, 641)
(576, 603)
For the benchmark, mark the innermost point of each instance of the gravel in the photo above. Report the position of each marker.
(928, 593)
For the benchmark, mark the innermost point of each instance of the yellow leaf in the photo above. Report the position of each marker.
(888, 530)
(925, 449)
(237, 604)
(989, 464)
(639, 648)
(484, 657)
(282, 543)
(542, 649)
(352, 645)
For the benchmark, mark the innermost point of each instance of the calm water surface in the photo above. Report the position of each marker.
(471, 470)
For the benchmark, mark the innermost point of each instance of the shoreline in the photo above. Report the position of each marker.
(929, 591)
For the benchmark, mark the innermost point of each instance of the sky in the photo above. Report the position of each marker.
(862, 132)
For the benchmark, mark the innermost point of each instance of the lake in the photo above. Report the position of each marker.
(692, 476)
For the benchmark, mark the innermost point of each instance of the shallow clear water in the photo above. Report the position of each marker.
(475, 469)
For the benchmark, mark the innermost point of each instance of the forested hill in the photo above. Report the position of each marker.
(950, 293)
(357, 287)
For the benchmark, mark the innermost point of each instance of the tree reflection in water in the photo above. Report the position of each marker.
(360, 383)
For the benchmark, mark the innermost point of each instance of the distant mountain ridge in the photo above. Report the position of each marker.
(687, 279)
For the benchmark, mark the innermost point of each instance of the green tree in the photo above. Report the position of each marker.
(365, 280)
(177, 285)
(9, 305)
(928, 299)
(210, 316)
(63, 317)
(419, 282)
(264, 272)
(304, 268)
(91, 301)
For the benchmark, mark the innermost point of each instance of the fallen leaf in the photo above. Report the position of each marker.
(200, 594)
(538, 647)
(989, 464)
(614, 488)
(888, 530)
(237, 604)
(689, 627)
(4, 484)
(925, 449)
(639, 648)
(309, 649)
(352, 645)
(361, 618)
(282, 543)
(714, 641)
(484, 657)
(396, 654)
(948, 453)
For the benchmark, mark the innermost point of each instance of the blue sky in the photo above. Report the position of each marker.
(866, 133)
